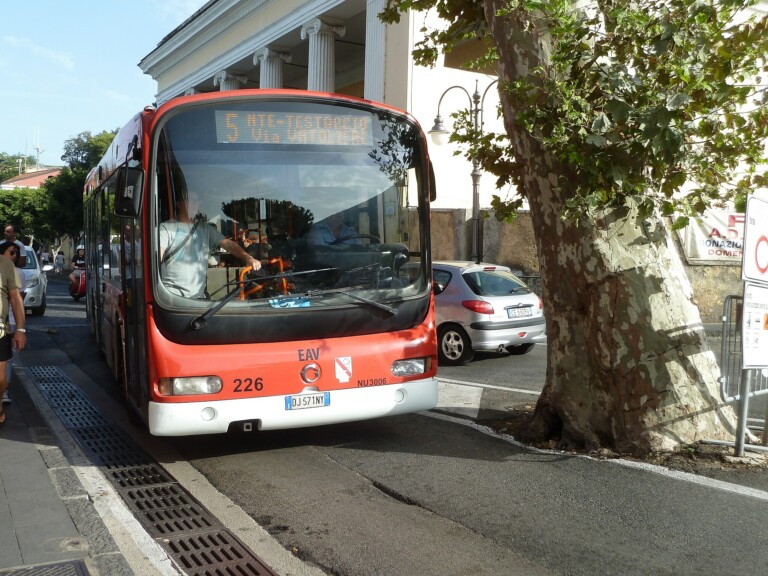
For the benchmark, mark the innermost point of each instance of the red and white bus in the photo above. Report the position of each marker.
(333, 328)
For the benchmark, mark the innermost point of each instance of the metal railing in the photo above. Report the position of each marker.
(731, 371)
(736, 383)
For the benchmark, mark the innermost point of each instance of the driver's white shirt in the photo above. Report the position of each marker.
(321, 234)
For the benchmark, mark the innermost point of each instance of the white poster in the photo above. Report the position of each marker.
(754, 327)
(717, 236)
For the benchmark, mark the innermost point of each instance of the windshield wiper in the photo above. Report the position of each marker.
(200, 321)
(390, 309)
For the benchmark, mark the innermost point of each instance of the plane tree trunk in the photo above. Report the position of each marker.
(628, 365)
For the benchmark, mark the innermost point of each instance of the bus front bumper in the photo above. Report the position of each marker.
(275, 412)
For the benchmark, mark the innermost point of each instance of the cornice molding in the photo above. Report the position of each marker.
(186, 42)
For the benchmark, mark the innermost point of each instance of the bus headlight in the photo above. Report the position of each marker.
(410, 367)
(189, 386)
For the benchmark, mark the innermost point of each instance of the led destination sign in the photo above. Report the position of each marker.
(249, 127)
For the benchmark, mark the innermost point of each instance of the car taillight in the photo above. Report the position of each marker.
(477, 306)
(541, 304)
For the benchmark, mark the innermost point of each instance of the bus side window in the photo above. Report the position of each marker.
(128, 196)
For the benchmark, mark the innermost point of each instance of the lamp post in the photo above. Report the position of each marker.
(439, 136)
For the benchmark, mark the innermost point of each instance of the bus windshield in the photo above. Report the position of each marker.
(325, 196)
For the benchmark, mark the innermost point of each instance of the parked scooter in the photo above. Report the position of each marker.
(77, 288)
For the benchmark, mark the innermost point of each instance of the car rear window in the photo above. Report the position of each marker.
(494, 283)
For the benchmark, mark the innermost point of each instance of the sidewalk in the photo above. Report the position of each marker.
(35, 524)
(43, 506)
(49, 523)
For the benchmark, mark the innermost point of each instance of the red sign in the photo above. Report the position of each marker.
(754, 264)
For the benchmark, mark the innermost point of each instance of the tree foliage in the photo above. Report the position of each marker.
(661, 102)
(9, 164)
(83, 152)
(617, 115)
(28, 209)
(56, 209)
(65, 210)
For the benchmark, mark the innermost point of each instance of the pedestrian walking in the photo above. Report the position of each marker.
(11, 251)
(58, 266)
(12, 232)
(10, 301)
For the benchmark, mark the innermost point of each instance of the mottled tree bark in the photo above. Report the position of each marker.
(628, 365)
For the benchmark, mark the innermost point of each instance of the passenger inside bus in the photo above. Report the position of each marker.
(185, 243)
(256, 244)
(333, 230)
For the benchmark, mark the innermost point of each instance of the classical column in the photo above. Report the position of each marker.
(322, 63)
(229, 80)
(375, 51)
(270, 62)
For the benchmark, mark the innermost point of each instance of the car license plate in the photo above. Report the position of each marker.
(518, 312)
(302, 401)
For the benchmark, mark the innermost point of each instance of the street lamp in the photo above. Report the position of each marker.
(439, 136)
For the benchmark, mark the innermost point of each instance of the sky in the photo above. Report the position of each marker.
(70, 67)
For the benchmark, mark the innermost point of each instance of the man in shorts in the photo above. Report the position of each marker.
(10, 297)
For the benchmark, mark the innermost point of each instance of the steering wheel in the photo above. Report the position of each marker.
(281, 284)
(371, 237)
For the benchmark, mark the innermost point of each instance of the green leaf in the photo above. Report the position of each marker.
(597, 140)
(618, 109)
(601, 124)
(680, 222)
(677, 101)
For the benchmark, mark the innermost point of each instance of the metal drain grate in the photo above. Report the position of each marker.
(104, 439)
(124, 478)
(46, 374)
(169, 510)
(191, 535)
(197, 553)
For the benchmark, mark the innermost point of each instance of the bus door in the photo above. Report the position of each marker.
(133, 312)
(98, 258)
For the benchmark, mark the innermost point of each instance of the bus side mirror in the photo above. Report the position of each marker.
(128, 196)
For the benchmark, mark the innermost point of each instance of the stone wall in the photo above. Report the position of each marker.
(514, 245)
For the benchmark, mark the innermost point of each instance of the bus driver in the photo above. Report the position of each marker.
(185, 243)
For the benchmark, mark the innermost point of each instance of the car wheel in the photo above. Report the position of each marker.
(453, 346)
(40, 310)
(520, 349)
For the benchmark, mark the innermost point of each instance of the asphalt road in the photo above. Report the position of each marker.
(431, 494)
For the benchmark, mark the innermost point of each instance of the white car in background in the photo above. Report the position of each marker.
(483, 307)
(35, 283)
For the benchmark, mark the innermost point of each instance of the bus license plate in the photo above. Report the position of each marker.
(518, 312)
(302, 401)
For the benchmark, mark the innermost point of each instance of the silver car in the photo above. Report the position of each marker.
(36, 283)
(483, 307)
